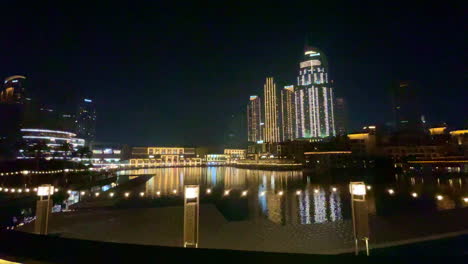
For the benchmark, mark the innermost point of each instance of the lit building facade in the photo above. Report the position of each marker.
(460, 137)
(416, 152)
(13, 90)
(314, 97)
(272, 134)
(288, 113)
(217, 159)
(235, 154)
(86, 120)
(164, 156)
(48, 144)
(364, 143)
(106, 153)
(254, 119)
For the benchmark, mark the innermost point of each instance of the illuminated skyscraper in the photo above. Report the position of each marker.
(86, 120)
(254, 119)
(288, 113)
(271, 112)
(314, 97)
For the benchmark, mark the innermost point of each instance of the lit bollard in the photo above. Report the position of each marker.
(43, 209)
(360, 214)
(191, 210)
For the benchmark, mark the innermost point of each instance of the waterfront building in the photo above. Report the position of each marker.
(460, 137)
(439, 130)
(86, 120)
(288, 113)
(48, 144)
(364, 143)
(272, 134)
(164, 156)
(217, 159)
(258, 149)
(314, 97)
(106, 153)
(341, 116)
(236, 154)
(254, 119)
(328, 159)
(415, 152)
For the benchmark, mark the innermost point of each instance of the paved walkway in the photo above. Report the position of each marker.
(164, 226)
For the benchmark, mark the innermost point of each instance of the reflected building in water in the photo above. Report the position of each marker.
(271, 194)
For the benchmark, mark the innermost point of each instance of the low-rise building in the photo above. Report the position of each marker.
(328, 159)
(164, 156)
(106, 153)
(217, 159)
(364, 143)
(459, 137)
(416, 152)
(48, 144)
(236, 154)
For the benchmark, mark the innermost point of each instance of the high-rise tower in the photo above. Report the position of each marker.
(288, 113)
(341, 116)
(406, 107)
(271, 112)
(86, 121)
(254, 119)
(314, 97)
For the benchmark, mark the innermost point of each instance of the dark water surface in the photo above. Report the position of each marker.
(296, 197)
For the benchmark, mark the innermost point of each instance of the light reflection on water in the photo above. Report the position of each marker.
(316, 203)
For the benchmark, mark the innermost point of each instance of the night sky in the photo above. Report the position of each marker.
(182, 75)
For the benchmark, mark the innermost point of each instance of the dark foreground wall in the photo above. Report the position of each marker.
(25, 247)
(63, 250)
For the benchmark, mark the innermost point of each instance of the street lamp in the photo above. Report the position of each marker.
(191, 215)
(43, 206)
(360, 214)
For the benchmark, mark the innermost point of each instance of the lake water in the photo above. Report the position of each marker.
(282, 211)
(297, 197)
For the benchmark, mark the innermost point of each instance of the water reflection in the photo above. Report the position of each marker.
(335, 207)
(290, 197)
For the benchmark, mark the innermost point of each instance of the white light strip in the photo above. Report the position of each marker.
(325, 108)
(332, 113)
(48, 131)
(74, 140)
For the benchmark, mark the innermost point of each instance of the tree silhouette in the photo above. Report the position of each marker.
(84, 152)
(67, 148)
(38, 150)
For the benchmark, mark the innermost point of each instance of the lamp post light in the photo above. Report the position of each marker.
(360, 214)
(43, 208)
(191, 215)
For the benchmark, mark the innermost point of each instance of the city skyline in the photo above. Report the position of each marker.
(266, 132)
(152, 99)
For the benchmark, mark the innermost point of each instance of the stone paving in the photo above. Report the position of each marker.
(164, 226)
